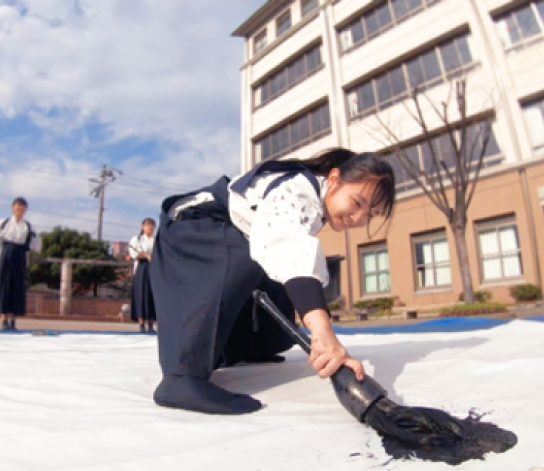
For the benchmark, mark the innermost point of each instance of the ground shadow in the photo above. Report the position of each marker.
(388, 360)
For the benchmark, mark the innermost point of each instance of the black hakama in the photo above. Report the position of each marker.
(13, 279)
(203, 278)
(141, 302)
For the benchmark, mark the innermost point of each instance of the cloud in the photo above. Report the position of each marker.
(151, 87)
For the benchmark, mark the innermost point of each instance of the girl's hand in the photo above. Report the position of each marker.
(327, 353)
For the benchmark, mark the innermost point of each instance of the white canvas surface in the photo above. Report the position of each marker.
(83, 402)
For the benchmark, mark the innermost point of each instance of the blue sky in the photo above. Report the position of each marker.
(150, 87)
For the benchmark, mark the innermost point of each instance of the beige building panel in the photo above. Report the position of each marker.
(286, 49)
(401, 40)
(345, 9)
(300, 97)
(527, 68)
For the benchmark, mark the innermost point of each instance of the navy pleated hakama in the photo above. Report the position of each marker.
(141, 301)
(13, 265)
(202, 278)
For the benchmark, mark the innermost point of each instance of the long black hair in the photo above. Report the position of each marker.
(355, 168)
(151, 220)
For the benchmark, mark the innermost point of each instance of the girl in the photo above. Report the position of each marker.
(16, 240)
(216, 245)
(142, 309)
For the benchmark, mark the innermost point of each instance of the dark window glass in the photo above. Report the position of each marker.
(304, 125)
(371, 23)
(300, 68)
(283, 137)
(265, 148)
(398, 83)
(294, 130)
(264, 91)
(464, 50)
(326, 116)
(283, 23)
(357, 32)
(415, 73)
(450, 58)
(273, 85)
(366, 97)
(317, 121)
(526, 21)
(427, 157)
(383, 14)
(313, 58)
(383, 87)
(308, 6)
(431, 67)
(413, 4)
(399, 8)
(275, 137)
(281, 80)
(292, 73)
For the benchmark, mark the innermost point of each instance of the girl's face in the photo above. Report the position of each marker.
(348, 205)
(19, 210)
(148, 228)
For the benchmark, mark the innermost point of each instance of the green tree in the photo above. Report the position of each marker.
(69, 243)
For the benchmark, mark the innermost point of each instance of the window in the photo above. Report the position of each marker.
(259, 41)
(420, 154)
(307, 6)
(522, 26)
(534, 119)
(432, 261)
(437, 65)
(378, 19)
(300, 131)
(500, 255)
(374, 266)
(288, 76)
(283, 23)
(332, 290)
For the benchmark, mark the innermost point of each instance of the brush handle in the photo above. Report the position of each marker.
(356, 396)
(297, 335)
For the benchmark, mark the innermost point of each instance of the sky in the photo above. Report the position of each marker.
(148, 87)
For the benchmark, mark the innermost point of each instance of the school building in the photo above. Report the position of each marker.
(319, 74)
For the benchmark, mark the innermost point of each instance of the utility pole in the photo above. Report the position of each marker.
(105, 177)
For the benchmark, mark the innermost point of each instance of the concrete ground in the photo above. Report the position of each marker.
(517, 312)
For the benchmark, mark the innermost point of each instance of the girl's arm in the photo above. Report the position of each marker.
(327, 353)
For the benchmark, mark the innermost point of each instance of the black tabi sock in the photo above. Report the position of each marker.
(200, 395)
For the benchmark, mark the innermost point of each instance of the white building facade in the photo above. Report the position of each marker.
(325, 73)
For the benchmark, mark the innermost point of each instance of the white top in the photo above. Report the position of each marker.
(282, 229)
(17, 233)
(140, 244)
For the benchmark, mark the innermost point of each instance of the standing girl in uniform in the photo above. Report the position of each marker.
(16, 239)
(218, 244)
(142, 308)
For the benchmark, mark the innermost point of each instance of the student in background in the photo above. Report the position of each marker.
(16, 239)
(142, 308)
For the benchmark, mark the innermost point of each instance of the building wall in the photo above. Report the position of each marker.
(500, 81)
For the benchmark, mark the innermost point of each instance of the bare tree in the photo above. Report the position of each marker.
(449, 180)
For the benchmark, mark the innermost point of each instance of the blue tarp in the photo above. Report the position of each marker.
(448, 324)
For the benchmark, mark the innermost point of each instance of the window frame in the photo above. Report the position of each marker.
(256, 38)
(430, 237)
(373, 11)
(523, 41)
(406, 72)
(496, 224)
(304, 11)
(272, 135)
(373, 249)
(304, 58)
(285, 14)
